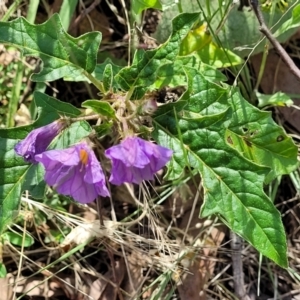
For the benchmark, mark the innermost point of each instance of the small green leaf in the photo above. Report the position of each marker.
(99, 70)
(108, 78)
(198, 41)
(290, 26)
(61, 53)
(100, 107)
(55, 235)
(3, 271)
(218, 57)
(17, 239)
(139, 5)
(277, 99)
(103, 129)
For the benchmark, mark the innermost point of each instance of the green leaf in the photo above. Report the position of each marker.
(103, 129)
(290, 26)
(61, 53)
(198, 41)
(34, 181)
(218, 57)
(100, 107)
(258, 138)
(98, 73)
(139, 5)
(3, 271)
(144, 68)
(51, 109)
(100, 69)
(75, 133)
(15, 173)
(173, 74)
(233, 184)
(108, 78)
(17, 239)
(277, 99)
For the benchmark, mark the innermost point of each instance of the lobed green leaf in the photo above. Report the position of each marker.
(142, 72)
(61, 53)
(233, 183)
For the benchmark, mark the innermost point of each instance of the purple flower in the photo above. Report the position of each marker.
(135, 160)
(75, 172)
(38, 140)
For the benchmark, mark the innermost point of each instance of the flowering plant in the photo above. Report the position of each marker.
(211, 129)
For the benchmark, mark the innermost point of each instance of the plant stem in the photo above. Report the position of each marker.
(237, 266)
(32, 10)
(85, 118)
(10, 10)
(94, 81)
(179, 6)
(264, 55)
(265, 30)
(17, 87)
(66, 12)
(14, 100)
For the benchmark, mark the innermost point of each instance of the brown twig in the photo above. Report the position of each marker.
(237, 266)
(84, 13)
(113, 266)
(277, 46)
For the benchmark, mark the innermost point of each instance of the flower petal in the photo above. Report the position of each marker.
(135, 160)
(75, 172)
(129, 151)
(38, 140)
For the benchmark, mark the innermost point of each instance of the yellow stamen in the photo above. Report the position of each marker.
(83, 156)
